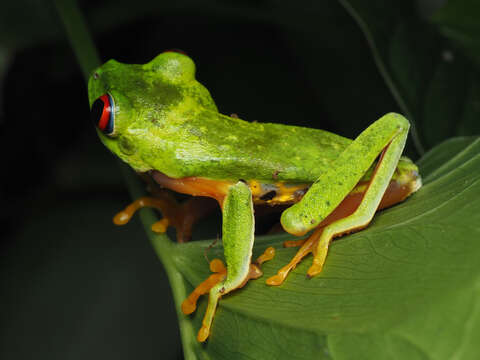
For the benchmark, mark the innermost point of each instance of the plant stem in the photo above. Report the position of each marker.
(88, 59)
(163, 246)
(79, 36)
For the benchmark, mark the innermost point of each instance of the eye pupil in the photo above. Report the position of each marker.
(102, 114)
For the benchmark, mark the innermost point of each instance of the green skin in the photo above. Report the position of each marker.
(167, 121)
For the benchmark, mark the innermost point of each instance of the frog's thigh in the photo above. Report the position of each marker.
(238, 235)
(329, 190)
(362, 216)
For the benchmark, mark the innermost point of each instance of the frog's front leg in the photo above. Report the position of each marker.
(181, 216)
(238, 236)
(387, 137)
(189, 305)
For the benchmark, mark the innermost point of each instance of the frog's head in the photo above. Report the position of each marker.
(135, 108)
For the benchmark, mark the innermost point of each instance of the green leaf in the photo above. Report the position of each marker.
(458, 20)
(390, 291)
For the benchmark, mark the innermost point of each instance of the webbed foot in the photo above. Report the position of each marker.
(219, 270)
(307, 246)
(189, 305)
(181, 216)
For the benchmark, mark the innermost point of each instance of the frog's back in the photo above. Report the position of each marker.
(222, 147)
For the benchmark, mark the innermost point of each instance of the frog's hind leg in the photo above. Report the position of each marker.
(181, 216)
(385, 138)
(369, 204)
(353, 214)
(294, 243)
(307, 246)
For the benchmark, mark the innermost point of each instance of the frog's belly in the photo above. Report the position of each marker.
(284, 193)
(262, 193)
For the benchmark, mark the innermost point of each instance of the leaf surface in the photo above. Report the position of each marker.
(389, 291)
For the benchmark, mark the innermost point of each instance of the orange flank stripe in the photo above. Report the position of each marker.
(195, 186)
(217, 189)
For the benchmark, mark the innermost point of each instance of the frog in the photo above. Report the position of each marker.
(165, 125)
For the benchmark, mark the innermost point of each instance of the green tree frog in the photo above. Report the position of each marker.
(162, 122)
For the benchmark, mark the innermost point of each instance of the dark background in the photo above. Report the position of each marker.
(74, 285)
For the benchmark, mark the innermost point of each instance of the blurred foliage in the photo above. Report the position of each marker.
(458, 21)
(336, 65)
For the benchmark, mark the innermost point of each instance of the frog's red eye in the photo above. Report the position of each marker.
(103, 114)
